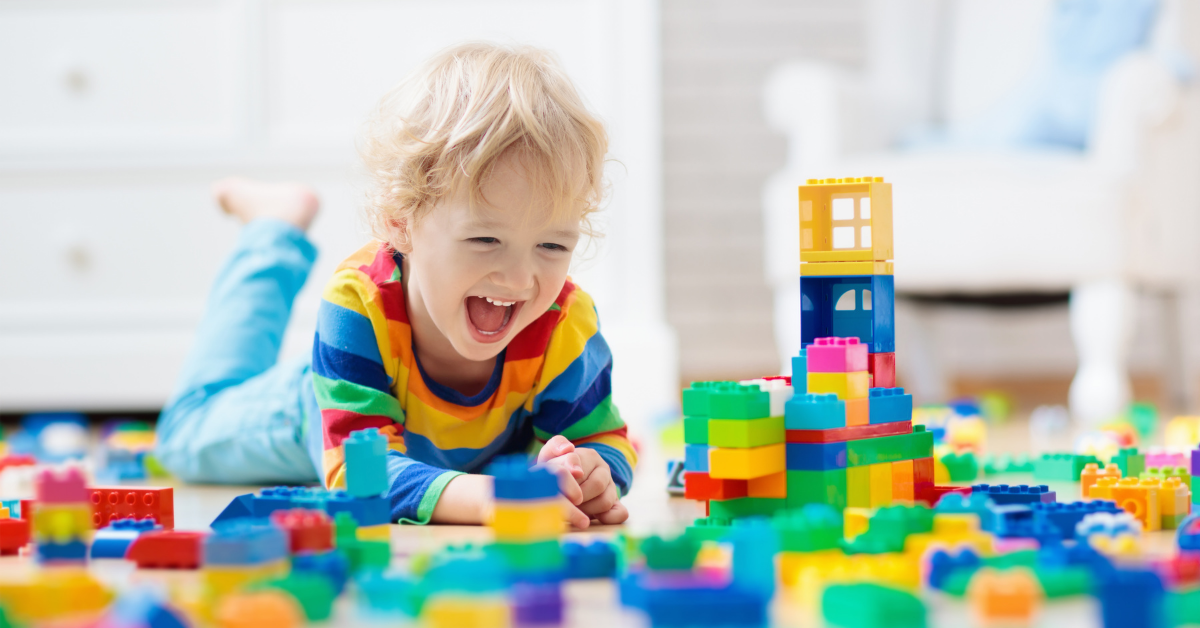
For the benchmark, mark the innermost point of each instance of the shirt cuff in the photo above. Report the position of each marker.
(431, 497)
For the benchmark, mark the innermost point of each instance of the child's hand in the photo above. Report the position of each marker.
(558, 455)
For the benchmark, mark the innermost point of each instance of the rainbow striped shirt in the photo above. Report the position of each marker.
(553, 378)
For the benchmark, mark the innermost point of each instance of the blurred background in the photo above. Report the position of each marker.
(1044, 156)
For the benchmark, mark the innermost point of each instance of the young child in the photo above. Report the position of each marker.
(457, 332)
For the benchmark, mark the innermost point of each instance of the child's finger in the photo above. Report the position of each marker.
(567, 484)
(616, 514)
(576, 518)
(556, 446)
(596, 483)
(601, 503)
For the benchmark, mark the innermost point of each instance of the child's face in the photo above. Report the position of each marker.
(483, 275)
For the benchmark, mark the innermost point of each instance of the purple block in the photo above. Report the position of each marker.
(837, 355)
(1195, 467)
(537, 604)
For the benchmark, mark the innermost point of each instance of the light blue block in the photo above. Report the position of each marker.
(814, 411)
(890, 405)
(800, 373)
(695, 458)
(366, 463)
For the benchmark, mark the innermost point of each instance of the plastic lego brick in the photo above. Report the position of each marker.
(695, 458)
(745, 507)
(456, 610)
(745, 432)
(1133, 497)
(313, 593)
(930, 494)
(69, 552)
(821, 269)
(858, 487)
(1130, 462)
(817, 487)
(778, 388)
(882, 367)
(307, 530)
(813, 411)
(515, 480)
(537, 556)
(1131, 598)
(704, 606)
(943, 565)
(367, 511)
(961, 467)
(527, 520)
(1194, 461)
(844, 385)
(14, 534)
(709, 529)
(167, 549)
(1162, 473)
(366, 463)
(53, 597)
(836, 355)
(62, 522)
(902, 481)
(890, 405)
(112, 503)
(675, 480)
(773, 486)
(1016, 494)
(696, 397)
(744, 464)
(881, 484)
(800, 373)
(1066, 516)
(755, 544)
(670, 554)
(862, 306)
(701, 486)
(1092, 472)
(869, 605)
(245, 542)
(593, 559)
(114, 541)
(846, 220)
(816, 456)
(60, 487)
(331, 565)
(695, 430)
(1174, 501)
(17, 460)
(739, 402)
(867, 451)
(537, 604)
(858, 412)
(1061, 466)
(811, 528)
(842, 434)
(1009, 596)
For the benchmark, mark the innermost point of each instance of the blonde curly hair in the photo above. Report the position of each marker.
(448, 124)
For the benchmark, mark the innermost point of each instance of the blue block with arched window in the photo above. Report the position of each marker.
(862, 306)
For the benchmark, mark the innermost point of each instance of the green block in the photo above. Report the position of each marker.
(677, 554)
(1065, 581)
(1066, 467)
(1162, 473)
(1130, 461)
(871, 606)
(739, 402)
(1183, 607)
(313, 592)
(367, 555)
(868, 451)
(745, 432)
(695, 398)
(695, 430)
(709, 529)
(817, 487)
(810, 529)
(535, 556)
(1007, 464)
(962, 467)
(1171, 522)
(745, 507)
(888, 529)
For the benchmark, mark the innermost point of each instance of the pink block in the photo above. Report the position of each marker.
(65, 487)
(837, 355)
(1167, 459)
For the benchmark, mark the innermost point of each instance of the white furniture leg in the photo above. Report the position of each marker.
(1102, 314)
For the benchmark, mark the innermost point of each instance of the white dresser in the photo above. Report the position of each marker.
(116, 116)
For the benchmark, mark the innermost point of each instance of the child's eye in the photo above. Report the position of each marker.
(485, 240)
(552, 246)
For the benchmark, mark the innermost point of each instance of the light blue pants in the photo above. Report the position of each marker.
(237, 416)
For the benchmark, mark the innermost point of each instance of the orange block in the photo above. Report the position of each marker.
(774, 485)
(1012, 595)
(1139, 500)
(902, 481)
(858, 412)
(1092, 473)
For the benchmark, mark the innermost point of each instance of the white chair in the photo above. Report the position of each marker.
(1101, 223)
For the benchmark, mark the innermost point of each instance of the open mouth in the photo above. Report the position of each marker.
(490, 317)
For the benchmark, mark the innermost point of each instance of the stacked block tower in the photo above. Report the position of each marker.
(62, 519)
(842, 434)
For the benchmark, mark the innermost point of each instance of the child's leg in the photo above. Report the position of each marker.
(236, 416)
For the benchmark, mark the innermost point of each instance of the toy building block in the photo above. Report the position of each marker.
(307, 530)
(744, 464)
(739, 402)
(527, 521)
(537, 604)
(745, 507)
(71, 553)
(817, 456)
(367, 511)
(674, 554)
(366, 463)
(1135, 498)
(814, 411)
(930, 494)
(858, 487)
(961, 467)
(1011, 596)
(695, 458)
(745, 432)
(836, 355)
(902, 481)
(842, 434)
(593, 559)
(778, 388)
(1174, 501)
(868, 605)
(881, 484)
(1132, 598)
(675, 480)
(1162, 473)
(817, 487)
(862, 306)
(867, 451)
(1004, 494)
(821, 269)
(121, 502)
(1194, 461)
(846, 220)
(695, 430)
(709, 529)
(1130, 462)
(701, 486)
(800, 373)
(243, 543)
(923, 472)
(813, 528)
(844, 385)
(167, 549)
(65, 487)
(882, 367)
(1066, 516)
(61, 522)
(695, 397)
(773, 486)
(1091, 473)
(858, 412)
(542, 559)
(890, 405)
(1061, 466)
(14, 534)
(114, 541)
(515, 480)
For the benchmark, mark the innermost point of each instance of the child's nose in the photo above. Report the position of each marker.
(516, 275)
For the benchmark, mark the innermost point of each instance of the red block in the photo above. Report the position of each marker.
(167, 549)
(701, 487)
(852, 432)
(14, 534)
(923, 481)
(882, 367)
(930, 495)
(16, 461)
(119, 502)
(308, 530)
(27, 509)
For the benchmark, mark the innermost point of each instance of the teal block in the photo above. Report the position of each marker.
(709, 529)
(366, 463)
(812, 528)
(695, 430)
(814, 411)
(739, 402)
(800, 373)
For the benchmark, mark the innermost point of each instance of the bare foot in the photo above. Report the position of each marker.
(247, 199)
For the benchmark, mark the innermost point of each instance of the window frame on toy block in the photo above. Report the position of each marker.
(818, 220)
(819, 316)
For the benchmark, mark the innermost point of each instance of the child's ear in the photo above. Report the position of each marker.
(400, 235)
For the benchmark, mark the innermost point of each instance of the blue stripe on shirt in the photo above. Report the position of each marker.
(352, 331)
(332, 363)
(556, 416)
(410, 479)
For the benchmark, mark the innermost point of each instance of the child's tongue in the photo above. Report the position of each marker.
(485, 316)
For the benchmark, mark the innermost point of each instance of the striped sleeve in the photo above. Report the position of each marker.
(574, 398)
(352, 385)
